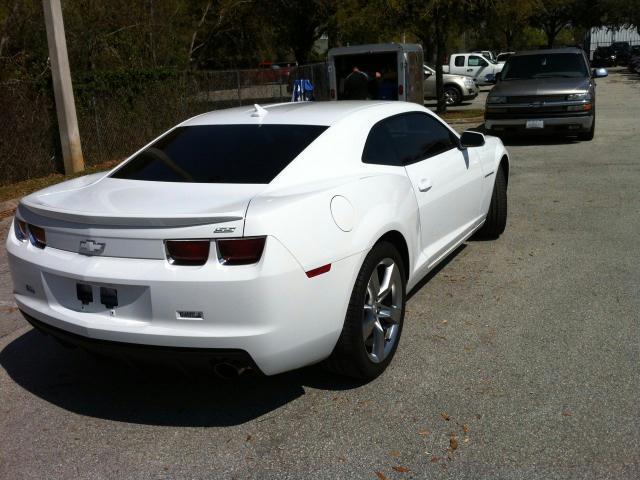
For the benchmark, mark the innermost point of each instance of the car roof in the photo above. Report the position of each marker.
(549, 51)
(296, 113)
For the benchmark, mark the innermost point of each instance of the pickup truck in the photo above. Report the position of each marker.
(474, 65)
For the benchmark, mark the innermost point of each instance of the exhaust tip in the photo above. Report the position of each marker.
(228, 371)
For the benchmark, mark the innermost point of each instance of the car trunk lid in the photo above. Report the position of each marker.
(132, 219)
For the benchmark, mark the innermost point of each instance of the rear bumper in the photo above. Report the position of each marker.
(569, 123)
(272, 311)
(133, 353)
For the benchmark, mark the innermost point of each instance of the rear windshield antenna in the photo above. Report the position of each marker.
(259, 111)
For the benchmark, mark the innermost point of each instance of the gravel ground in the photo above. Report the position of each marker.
(519, 359)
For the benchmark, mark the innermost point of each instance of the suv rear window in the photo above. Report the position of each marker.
(220, 153)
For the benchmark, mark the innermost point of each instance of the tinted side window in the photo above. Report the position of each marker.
(417, 136)
(459, 60)
(476, 62)
(220, 154)
(378, 148)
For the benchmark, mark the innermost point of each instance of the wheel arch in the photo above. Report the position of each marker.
(504, 164)
(395, 238)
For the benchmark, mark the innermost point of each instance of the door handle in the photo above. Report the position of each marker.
(425, 185)
(469, 69)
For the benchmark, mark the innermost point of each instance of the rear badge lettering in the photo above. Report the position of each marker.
(89, 247)
(225, 230)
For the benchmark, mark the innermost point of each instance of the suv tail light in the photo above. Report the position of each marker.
(37, 236)
(240, 251)
(188, 252)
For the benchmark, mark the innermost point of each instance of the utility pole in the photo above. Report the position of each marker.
(62, 88)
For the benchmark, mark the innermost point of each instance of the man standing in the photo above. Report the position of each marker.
(356, 85)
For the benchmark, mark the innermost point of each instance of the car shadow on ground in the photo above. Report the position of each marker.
(76, 381)
(105, 388)
(529, 139)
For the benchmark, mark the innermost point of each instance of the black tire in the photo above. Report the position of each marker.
(350, 356)
(496, 220)
(588, 136)
(454, 94)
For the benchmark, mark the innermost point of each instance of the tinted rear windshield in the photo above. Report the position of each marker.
(220, 153)
(563, 65)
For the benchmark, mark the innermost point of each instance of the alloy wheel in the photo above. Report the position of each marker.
(451, 96)
(382, 310)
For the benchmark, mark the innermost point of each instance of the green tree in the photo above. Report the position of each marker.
(436, 21)
(297, 25)
(554, 15)
(510, 18)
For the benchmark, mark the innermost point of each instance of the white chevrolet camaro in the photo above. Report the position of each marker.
(269, 238)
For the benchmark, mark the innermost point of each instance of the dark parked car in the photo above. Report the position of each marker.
(634, 64)
(604, 57)
(622, 51)
(545, 91)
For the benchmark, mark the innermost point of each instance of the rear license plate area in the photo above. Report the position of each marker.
(111, 300)
(108, 297)
(535, 124)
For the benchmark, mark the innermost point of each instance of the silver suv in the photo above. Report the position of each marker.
(545, 91)
(457, 88)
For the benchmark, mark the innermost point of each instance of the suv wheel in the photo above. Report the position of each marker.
(452, 95)
(587, 136)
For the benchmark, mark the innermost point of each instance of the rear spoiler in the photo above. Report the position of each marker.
(129, 220)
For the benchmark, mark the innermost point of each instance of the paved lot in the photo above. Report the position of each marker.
(522, 353)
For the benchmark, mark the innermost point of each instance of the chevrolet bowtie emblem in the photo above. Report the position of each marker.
(89, 247)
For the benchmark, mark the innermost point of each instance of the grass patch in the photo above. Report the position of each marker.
(20, 189)
(462, 114)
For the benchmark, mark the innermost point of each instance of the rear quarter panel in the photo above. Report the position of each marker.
(303, 222)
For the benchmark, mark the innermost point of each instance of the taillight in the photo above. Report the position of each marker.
(20, 229)
(333, 93)
(400, 89)
(188, 252)
(37, 236)
(240, 251)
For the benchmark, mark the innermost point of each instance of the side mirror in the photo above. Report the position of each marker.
(600, 73)
(471, 139)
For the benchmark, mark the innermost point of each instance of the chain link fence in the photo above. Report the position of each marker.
(115, 121)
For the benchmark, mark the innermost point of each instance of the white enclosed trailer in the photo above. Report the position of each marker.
(394, 70)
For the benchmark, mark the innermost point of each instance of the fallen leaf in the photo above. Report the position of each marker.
(445, 416)
(435, 459)
(424, 433)
(249, 438)
(394, 453)
(465, 428)
(444, 322)
(453, 442)
(466, 439)
(401, 469)
(567, 413)
(381, 476)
